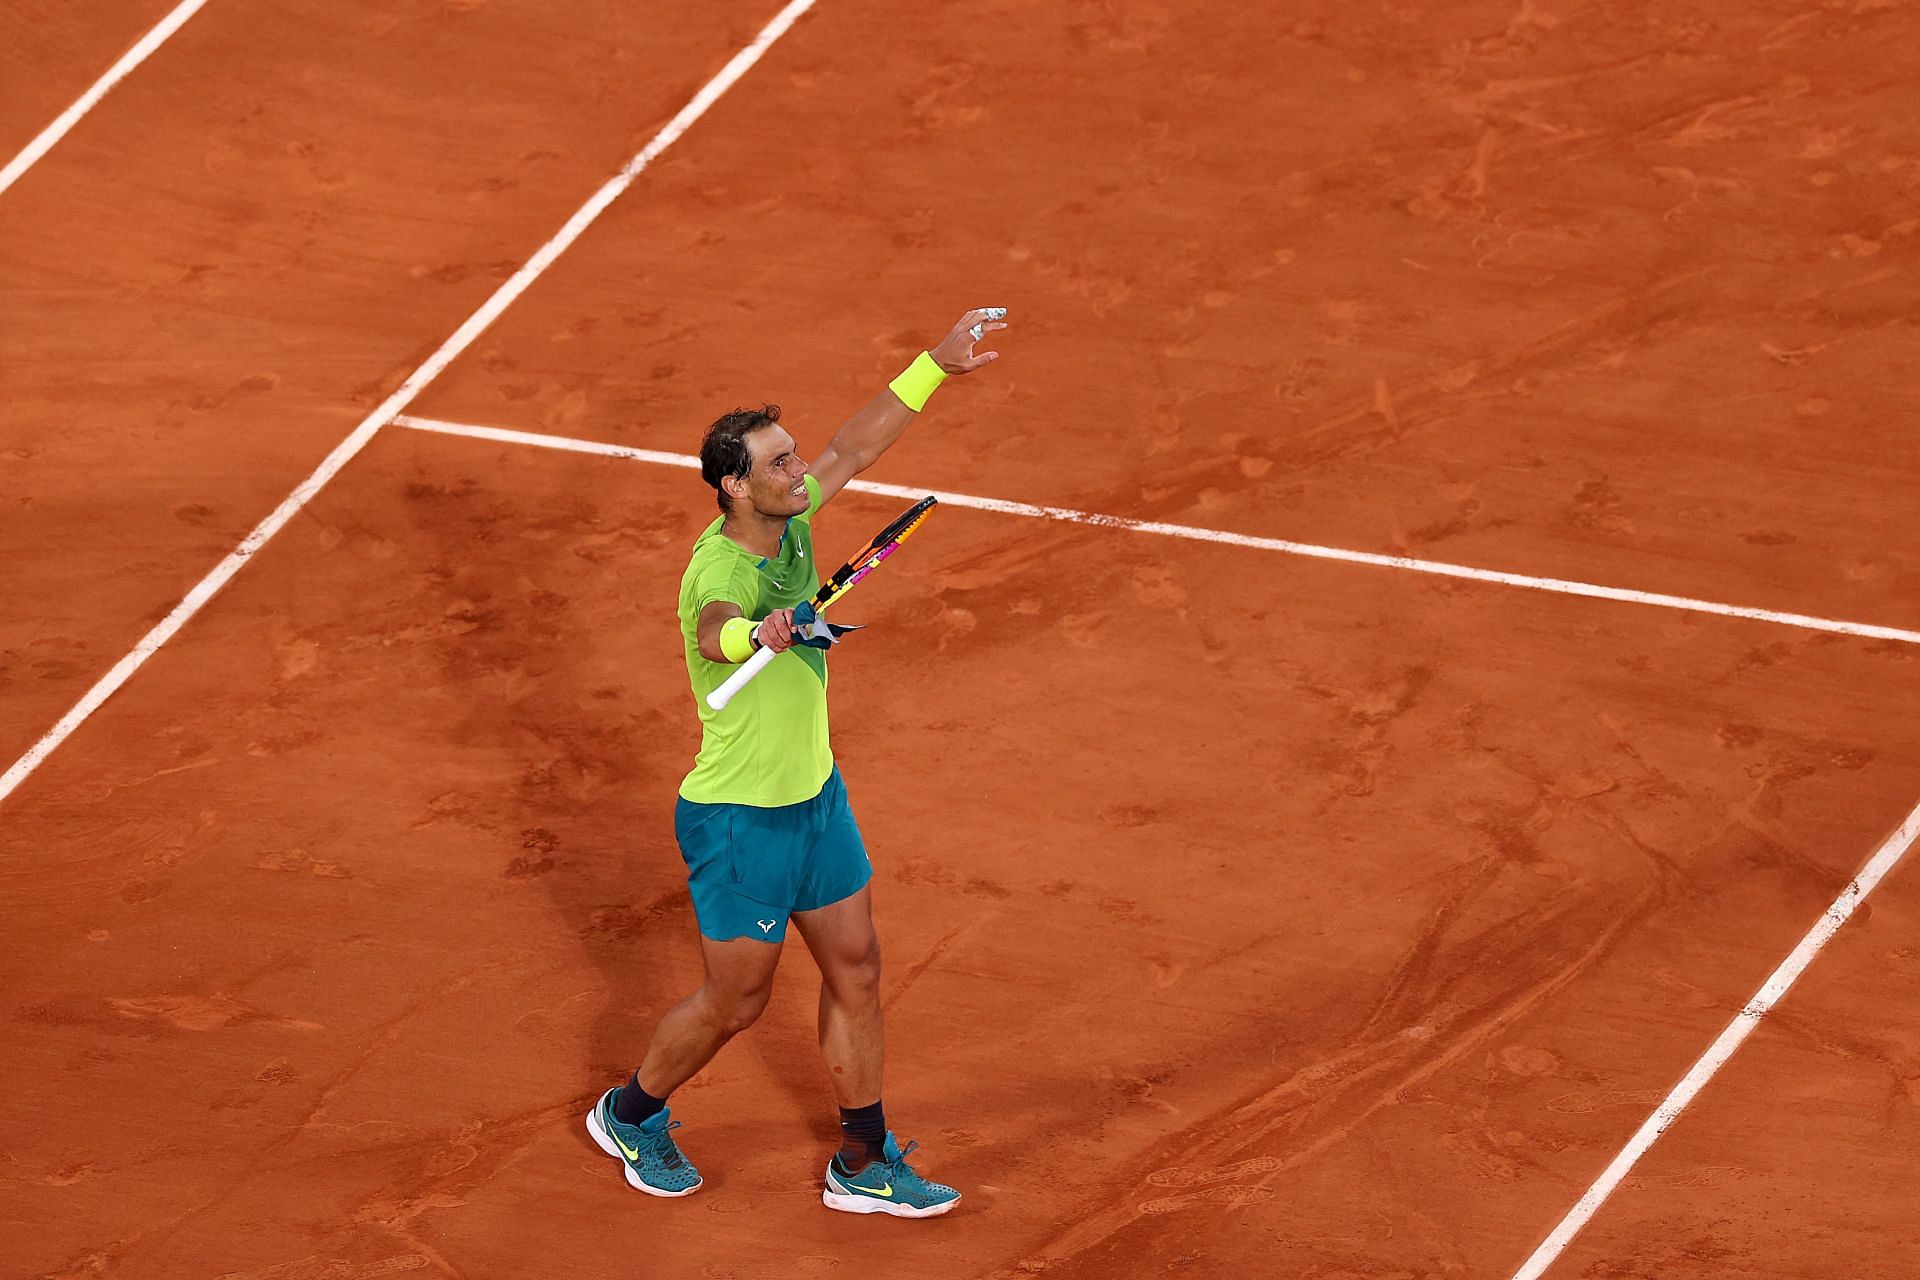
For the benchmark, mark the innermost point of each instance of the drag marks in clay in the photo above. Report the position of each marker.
(1213, 1186)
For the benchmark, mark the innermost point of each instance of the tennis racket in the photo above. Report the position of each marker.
(862, 563)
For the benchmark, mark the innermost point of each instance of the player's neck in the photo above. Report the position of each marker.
(757, 533)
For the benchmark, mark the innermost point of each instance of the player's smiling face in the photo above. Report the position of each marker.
(776, 477)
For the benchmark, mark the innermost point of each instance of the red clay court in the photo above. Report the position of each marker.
(1423, 625)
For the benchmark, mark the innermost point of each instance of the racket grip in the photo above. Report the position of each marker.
(734, 683)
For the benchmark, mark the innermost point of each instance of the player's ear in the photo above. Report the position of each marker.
(736, 486)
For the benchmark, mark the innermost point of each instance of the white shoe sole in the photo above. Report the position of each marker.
(604, 1140)
(869, 1204)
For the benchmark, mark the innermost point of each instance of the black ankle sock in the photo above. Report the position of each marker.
(633, 1104)
(863, 1136)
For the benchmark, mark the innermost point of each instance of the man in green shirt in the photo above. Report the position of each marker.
(763, 820)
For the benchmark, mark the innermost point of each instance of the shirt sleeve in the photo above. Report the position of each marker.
(722, 579)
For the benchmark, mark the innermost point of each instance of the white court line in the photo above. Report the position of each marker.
(476, 324)
(133, 57)
(1436, 567)
(1878, 866)
(1882, 862)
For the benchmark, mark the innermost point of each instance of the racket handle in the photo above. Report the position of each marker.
(752, 667)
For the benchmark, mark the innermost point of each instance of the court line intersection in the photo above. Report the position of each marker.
(448, 351)
(1439, 568)
(390, 412)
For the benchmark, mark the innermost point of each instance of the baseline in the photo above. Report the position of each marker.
(450, 350)
(63, 124)
(1884, 859)
(1067, 515)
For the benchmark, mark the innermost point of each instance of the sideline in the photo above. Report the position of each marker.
(63, 124)
(1884, 859)
(344, 452)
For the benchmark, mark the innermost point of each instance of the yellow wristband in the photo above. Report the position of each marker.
(736, 639)
(920, 380)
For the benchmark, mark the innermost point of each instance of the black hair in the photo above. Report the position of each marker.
(723, 450)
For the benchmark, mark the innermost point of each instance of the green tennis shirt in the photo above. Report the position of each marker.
(768, 747)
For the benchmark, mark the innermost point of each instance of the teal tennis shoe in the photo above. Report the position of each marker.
(888, 1185)
(651, 1156)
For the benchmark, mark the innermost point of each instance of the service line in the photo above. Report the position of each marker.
(1436, 567)
(342, 454)
(1883, 861)
(119, 71)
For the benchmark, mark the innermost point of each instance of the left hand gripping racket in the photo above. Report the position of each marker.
(862, 563)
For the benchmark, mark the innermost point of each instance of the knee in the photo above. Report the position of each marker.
(860, 972)
(736, 1011)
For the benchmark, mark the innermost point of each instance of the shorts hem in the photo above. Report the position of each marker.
(864, 882)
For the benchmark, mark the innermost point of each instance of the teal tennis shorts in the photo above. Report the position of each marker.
(750, 868)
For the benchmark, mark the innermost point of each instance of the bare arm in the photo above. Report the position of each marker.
(869, 433)
(776, 629)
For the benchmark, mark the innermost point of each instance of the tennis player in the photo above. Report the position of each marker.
(763, 820)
